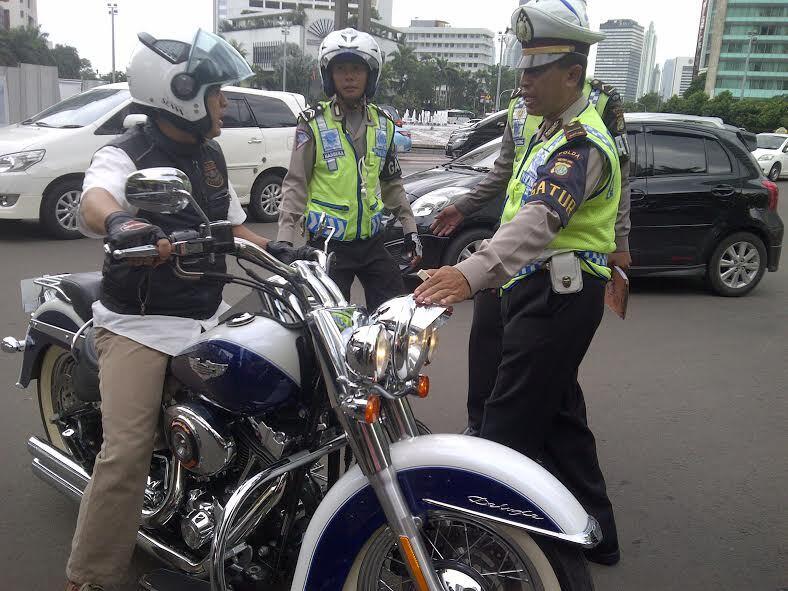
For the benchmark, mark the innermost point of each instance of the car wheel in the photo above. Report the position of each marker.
(465, 244)
(266, 198)
(774, 173)
(737, 265)
(59, 210)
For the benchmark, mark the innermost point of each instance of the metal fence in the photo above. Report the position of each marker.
(26, 90)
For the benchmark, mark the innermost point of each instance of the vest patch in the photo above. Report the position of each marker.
(332, 145)
(213, 177)
(302, 138)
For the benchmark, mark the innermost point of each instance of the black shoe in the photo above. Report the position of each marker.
(471, 431)
(605, 558)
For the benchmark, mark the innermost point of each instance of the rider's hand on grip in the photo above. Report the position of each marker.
(125, 231)
(288, 254)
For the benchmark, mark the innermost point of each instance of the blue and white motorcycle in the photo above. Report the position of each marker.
(245, 489)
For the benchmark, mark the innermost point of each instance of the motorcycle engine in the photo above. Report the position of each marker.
(197, 439)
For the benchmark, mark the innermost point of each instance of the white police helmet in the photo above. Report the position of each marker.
(551, 29)
(173, 76)
(350, 45)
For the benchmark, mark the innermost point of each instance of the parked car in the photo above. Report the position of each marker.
(772, 154)
(402, 137)
(700, 206)
(467, 138)
(43, 159)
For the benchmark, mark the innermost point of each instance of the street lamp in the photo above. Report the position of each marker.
(285, 31)
(753, 35)
(112, 9)
(502, 37)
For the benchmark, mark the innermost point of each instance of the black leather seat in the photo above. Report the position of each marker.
(82, 289)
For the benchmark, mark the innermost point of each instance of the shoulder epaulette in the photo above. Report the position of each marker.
(517, 93)
(310, 113)
(607, 89)
(384, 112)
(574, 130)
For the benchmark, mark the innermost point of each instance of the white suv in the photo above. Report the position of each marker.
(772, 154)
(43, 159)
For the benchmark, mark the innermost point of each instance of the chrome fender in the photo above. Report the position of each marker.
(439, 472)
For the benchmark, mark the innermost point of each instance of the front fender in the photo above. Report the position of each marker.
(449, 472)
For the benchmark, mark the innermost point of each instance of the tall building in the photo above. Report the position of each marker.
(619, 55)
(647, 60)
(383, 7)
(676, 76)
(466, 48)
(656, 80)
(18, 13)
(729, 31)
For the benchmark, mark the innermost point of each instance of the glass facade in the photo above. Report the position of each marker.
(618, 57)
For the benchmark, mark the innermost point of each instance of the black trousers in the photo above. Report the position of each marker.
(537, 406)
(484, 353)
(368, 260)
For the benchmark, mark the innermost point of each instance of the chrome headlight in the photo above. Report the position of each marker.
(434, 201)
(765, 157)
(414, 330)
(20, 161)
(368, 351)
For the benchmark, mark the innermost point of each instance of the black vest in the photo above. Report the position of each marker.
(138, 290)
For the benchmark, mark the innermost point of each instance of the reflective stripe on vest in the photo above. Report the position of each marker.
(345, 186)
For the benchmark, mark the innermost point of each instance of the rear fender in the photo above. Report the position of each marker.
(54, 312)
(439, 472)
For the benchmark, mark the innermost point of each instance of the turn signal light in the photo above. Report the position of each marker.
(423, 389)
(372, 411)
(415, 569)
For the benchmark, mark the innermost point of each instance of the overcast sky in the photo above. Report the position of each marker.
(86, 24)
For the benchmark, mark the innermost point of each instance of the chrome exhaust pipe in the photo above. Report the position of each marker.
(58, 470)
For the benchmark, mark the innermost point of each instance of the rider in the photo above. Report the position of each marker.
(549, 257)
(345, 165)
(146, 313)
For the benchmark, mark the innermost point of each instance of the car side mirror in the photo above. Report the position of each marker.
(502, 124)
(159, 190)
(134, 119)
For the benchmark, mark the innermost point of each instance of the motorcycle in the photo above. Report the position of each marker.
(245, 490)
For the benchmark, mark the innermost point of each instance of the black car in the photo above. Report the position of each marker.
(469, 137)
(700, 205)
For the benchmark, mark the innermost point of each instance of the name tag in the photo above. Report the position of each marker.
(332, 145)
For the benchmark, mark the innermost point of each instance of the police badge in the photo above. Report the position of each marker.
(523, 28)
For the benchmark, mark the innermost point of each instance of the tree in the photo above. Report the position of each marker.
(239, 47)
(86, 71)
(698, 84)
(25, 45)
(650, 102)
(67, 59)
(119, 77)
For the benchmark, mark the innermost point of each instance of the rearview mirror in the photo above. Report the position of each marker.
(159, 190)
(134, 119)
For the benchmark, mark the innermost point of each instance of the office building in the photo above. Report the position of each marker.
(732, 30)
(235, 7)
(677, 75)
(647, 60)
(619, 56)
(468, 49)
(18, 13)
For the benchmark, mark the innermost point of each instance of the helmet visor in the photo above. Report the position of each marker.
(214, 61)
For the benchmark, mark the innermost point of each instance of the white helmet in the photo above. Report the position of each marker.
(173, 76)
(350, 45)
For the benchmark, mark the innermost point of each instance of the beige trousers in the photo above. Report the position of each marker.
(132, 379)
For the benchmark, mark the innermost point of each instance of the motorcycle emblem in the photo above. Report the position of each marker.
(207, 369)
(505, 508)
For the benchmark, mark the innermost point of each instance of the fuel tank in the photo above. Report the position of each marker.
(248, 365)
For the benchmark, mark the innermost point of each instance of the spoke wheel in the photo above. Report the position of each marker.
(472, 555)
(465, 244)
(266, 198)
(737, 264)
(56, 394)
(66, 210)
(60, 209)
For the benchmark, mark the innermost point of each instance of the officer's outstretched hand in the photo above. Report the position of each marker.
(446, 286)
(447, 221)
(288, 254)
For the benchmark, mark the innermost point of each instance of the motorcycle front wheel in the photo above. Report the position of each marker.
(474, 555)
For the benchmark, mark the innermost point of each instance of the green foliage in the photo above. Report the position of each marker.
(119, 77)
(302, 74)
(698, 84)
(25, 45)
(67, 60)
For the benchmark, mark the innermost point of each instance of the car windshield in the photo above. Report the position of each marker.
(80, 110)
(482, 158)
(770, 142)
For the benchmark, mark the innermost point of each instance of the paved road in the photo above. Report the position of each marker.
(687, 398)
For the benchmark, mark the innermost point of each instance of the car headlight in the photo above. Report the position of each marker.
(436, 200)
(20, 161)
(765, 157)
(368, 351)
(414, 333)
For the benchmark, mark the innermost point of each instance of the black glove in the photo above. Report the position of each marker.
(126, 231)
(412, 246)
(288, 254)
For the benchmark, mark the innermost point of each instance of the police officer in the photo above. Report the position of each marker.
(549, 257)
(146, 313)
(484, 344)
(344, 166)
